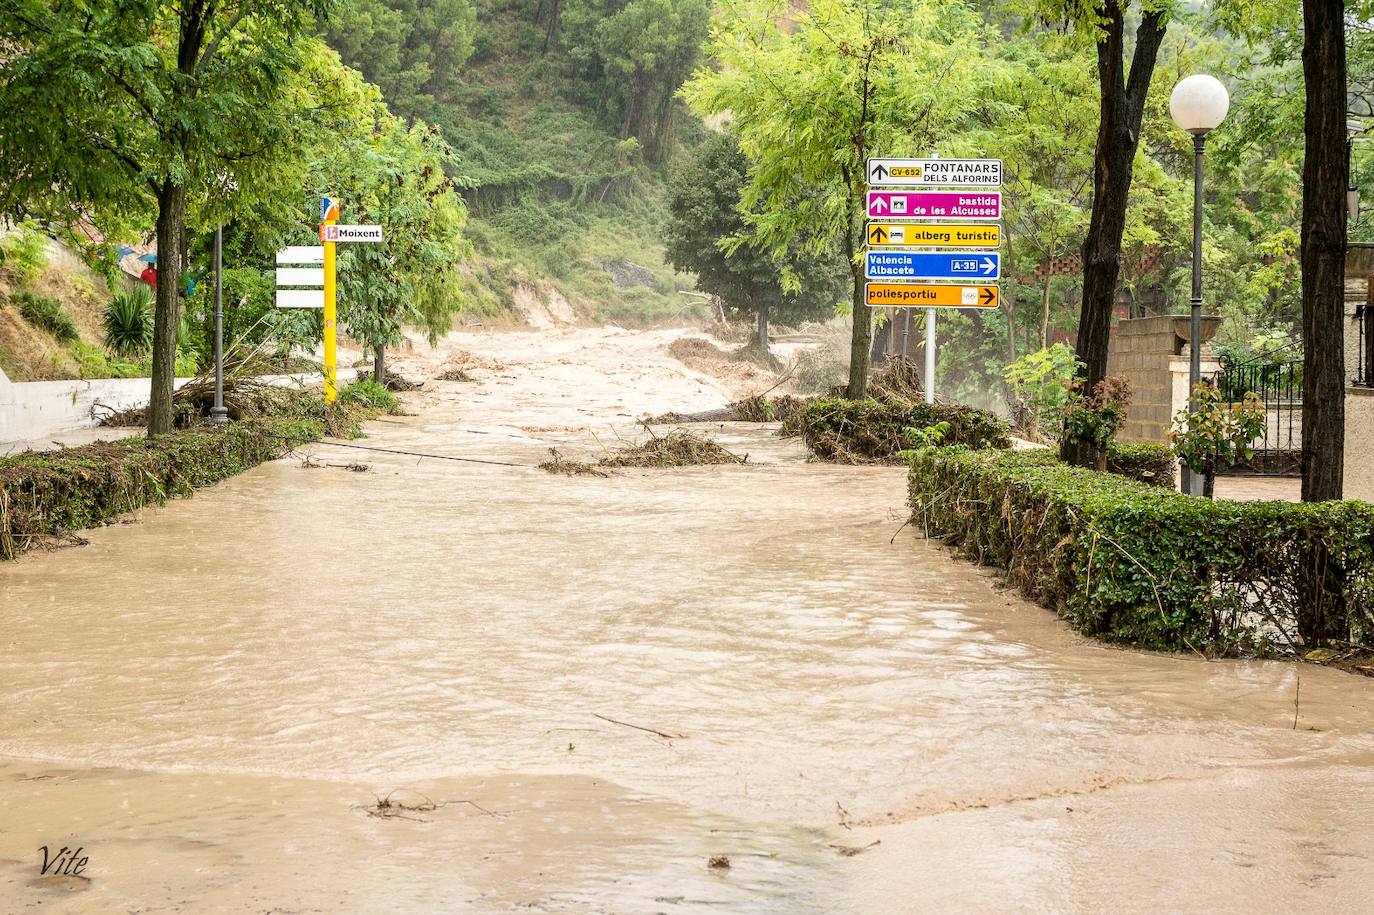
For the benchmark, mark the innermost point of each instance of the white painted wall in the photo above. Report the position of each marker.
(35, 409)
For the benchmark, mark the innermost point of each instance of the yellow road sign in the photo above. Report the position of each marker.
(929, 295)
(934, 235)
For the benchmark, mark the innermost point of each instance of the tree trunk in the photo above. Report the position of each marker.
(1324, 180)
(379, 363)
(1118, 135)
(1045, 311)
(1209, 479)
(860, 339)
(171, 212)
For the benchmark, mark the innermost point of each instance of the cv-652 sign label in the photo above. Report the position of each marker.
(935, 172)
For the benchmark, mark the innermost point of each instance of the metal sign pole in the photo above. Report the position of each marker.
(930, 355)
(218, 414)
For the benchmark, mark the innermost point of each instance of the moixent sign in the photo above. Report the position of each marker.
(935, 172)
(336, 233)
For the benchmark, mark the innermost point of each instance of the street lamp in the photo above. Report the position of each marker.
(1199, 103)
(219, 415)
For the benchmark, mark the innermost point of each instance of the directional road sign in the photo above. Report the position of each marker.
(301, 254)
(300, 298)
(933, 235)
(935, 172)
(942, 205)
(350, 233)
(933, 265)
(914, 295)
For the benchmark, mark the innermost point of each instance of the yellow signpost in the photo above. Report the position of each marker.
(933, 235)
(930, 295)
(331, 345)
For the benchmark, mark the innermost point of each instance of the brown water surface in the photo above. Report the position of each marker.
(206, 701)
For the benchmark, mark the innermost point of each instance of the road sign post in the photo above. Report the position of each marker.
(331, 312)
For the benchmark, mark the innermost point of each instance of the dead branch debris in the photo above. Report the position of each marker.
(561, 465)
(679, 448)
(625, 724)
(849, 851)
(387, 809)
(457, 374)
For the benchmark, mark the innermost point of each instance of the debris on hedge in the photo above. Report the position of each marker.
(679, 448)
(1145, 462)
(872, 432)
(45, 495)
(898, 381)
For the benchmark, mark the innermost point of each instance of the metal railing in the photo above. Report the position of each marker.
(1276, 378)
(1364, 340)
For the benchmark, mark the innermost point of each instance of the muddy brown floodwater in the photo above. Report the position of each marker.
(206, 701)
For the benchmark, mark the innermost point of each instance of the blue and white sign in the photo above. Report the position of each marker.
(933, 265)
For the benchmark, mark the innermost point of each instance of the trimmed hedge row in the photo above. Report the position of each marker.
(1143, 461)
(871, 432)
(1139, 564)
(45, 494)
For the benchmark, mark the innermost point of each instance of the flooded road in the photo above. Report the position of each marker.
(602, 683)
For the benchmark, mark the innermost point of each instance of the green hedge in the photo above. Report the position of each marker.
(1139, 564)
(867, 431)
(44, 494)
(1148, 463)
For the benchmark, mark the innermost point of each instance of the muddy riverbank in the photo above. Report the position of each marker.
(207, 701)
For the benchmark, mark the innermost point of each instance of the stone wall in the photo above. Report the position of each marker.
(1153, 354)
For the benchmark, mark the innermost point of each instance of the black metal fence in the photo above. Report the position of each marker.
(1364, 359)
(1277, 379)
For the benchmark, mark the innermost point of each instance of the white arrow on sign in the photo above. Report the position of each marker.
(935, 172)
(989, 266)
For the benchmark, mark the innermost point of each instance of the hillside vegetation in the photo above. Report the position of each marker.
(566, 186)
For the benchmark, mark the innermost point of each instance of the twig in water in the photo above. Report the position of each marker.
(898, 531)
(849, 851)
(626, 724)
(1297, 695)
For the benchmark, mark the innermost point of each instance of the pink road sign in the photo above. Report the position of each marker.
(942, 205)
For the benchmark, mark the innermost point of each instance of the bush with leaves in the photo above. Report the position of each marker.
(1210, 436)
(24, 252)
(1095, 417)
(46, 312)
(1151, 567)
(1039, 386)
(129, 320)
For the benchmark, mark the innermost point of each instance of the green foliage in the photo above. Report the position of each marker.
(414, 51)
(704, 202)
(1211, 436)
(1144, 462)
(1098, 415)
(1039, 383)
(1139, 564)
(45, 312)
(368, 393)
(869, 431)
(129, 320)
(24, 252)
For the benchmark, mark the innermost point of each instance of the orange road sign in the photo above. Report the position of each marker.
(929, 295)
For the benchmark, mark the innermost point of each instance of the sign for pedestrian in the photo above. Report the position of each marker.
(935, 172)
(932, 265)
(336, 233)
(329, 209)
(928, 295)
(933, 235)
(311, 277)
(939, 205)
(301, 254)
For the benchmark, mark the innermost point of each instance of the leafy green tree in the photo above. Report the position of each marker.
(814, 92)
(1123, 91)
(707, 235)
(397, 178)
(414, 51)
(130, 103)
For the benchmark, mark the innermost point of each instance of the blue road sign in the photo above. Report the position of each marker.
(933, 265)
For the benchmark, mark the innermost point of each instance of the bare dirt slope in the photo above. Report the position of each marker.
(582, 689)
